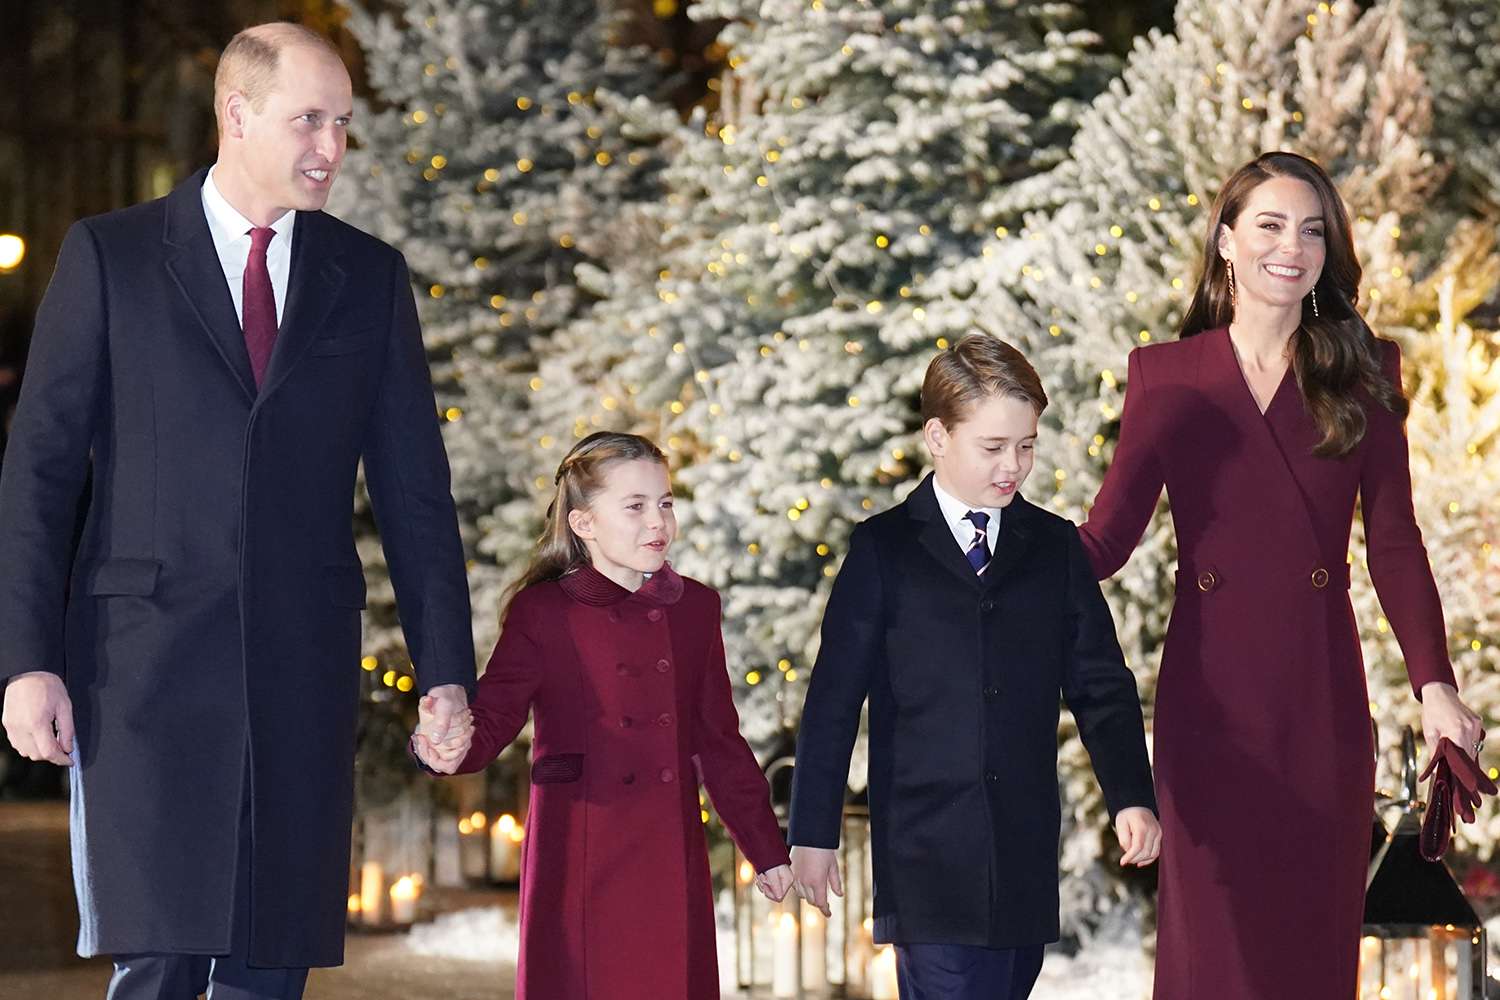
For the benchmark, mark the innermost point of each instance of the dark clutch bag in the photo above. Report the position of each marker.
(1458, 783)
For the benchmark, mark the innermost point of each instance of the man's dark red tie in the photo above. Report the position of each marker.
(259, 305)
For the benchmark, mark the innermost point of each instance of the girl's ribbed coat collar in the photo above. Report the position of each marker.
(587, 585)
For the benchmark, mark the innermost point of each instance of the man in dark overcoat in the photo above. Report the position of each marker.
(223, 358)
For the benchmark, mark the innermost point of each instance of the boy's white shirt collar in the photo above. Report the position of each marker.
(954, 510)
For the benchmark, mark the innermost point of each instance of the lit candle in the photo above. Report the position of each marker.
(784, 962)
(505, 854)
(372, 892)
(404, 900)
(883, 975)
(472, 859)
(814, 947)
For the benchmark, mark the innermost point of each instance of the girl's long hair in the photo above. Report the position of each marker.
(579, 480)
(1334, 352)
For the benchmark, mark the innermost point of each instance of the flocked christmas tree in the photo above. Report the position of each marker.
(860, 145)
(512, 141)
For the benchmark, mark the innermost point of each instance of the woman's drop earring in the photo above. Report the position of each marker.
(1315, 301)
(1233, 300)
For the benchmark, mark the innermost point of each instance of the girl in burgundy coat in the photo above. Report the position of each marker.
(623, 663)
(1274, 413)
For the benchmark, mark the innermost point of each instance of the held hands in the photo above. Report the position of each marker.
(35, 702)
(1444, 715)
(1140, 836)
(445, 728)
(774, 883)
(815, 873)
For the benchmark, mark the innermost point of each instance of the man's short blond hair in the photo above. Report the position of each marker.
(248, 63)
(974, 369)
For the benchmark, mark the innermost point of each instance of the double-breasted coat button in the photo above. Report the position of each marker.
(667, 774)
(626, 722)
(1207, 581)
(628, 778)
(664, 719)
(987, 605)
(1320, 578)
(991, 692)
(662, 666)
(654, 615)
(991, 777)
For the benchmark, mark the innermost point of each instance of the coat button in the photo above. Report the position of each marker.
(1320, 578)
(1207, 581)
(992, 692)
(626, 722)
(628, 778)
(662, 666)
(667, 774)
(991, 777)
(987, 605)
(654, 615)
(664, 719)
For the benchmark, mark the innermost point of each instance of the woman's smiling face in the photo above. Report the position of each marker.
(1277, 244)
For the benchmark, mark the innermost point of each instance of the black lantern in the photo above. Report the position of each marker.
(1422, 940)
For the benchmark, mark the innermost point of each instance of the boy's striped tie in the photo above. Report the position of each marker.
(979, 549)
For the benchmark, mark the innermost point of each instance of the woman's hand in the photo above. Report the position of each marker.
(1443, 714)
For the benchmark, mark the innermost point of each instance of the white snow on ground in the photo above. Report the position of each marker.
(1118, 970)
(485, 934)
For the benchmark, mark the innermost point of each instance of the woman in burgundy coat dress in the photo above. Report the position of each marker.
(1275, 411)
(622, 662)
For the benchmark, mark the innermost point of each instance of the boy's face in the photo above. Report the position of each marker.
(985, 457)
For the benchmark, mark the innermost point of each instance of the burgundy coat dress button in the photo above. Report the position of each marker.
(664, 719)
(626, 722)
(1320, 578)
(1206, 581)
(662, 666)
(667, 774)
(654, 615)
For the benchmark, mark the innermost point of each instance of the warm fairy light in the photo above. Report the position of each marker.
(404, 684)
(752, 678)
(465, 827)
(478, 820)
(369, 663)
(12, 251)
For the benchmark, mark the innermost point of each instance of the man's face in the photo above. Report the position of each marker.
(293, 146)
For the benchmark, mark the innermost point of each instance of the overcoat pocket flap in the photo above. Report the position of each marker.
(346, 586)
(135, 577)
(346, 344)
(557, 769)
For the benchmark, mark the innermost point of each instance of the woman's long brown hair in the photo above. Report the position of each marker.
(579, 479)
(1334, 352)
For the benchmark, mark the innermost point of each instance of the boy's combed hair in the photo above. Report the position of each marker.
(579, 479)
(974, 369)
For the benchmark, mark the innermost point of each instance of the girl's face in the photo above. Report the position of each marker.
(630, 524)
(1277, 244)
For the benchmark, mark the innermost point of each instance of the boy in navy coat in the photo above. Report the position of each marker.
(961, 615)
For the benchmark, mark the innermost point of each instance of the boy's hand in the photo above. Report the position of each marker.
(815, 873)
(774, 883)
(1140, 836)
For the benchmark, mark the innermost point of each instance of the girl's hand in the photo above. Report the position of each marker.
(1139, 832)
(1443, 714)
(774, 883)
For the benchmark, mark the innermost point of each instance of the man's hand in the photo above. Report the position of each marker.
(1139, 833)
(38, 717)
(815, 873)
(442, 706)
